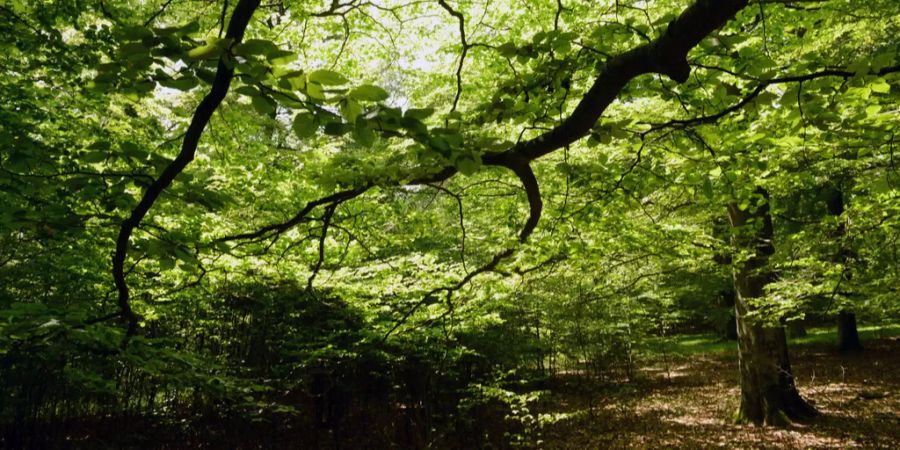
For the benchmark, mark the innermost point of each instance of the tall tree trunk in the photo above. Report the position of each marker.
(848, 337)
(768, 393)
(847, 334)
(731, 333)
(796, 329)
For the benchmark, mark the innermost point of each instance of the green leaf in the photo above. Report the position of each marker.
(327, 77)
(413, 125)
(880, 86)
(369, 92)
(419, 114)
(205, 52)
(253, 47)
(133, 48)
(336, 128)
(263, 105)
(314, 91)
(350, 110)
(708, 188)
(305, 125)
(131, 150)
(281, 57)
(185, 83)
(134, 33)
(247, 90)
(94, 157)
(363, 134)
(191, 27)
(212, 50)
(467, 166)
(508, 49)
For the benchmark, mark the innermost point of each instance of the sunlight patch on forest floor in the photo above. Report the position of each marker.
(688, 405)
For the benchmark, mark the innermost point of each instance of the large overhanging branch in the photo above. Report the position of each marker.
(224, 73)
(666, 55)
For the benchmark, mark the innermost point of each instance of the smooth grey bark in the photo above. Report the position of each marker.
(768, 393)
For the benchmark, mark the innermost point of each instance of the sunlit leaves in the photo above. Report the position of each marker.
(254, 47)
(213, 49)
(880, 86)
(184, 83)
(350, 109)
(327, 77)
(368, 92)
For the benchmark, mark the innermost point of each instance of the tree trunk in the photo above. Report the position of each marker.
(727, 300)
(768, 393)
(848, 337)
(796, 329)
(731, 332)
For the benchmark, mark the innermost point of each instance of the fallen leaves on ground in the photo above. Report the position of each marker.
(687, 402)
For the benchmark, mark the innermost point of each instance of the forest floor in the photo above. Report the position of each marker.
(685, 399)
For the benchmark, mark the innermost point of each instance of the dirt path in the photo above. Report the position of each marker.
(688, 407)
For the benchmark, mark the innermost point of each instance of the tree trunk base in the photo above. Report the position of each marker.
(778, 410)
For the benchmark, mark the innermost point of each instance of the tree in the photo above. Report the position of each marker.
(848, 337)
(567, 151)
(768, 392)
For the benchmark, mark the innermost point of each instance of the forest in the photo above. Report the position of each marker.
(449, 224)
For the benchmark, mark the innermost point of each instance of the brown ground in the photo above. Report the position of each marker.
(689, 407)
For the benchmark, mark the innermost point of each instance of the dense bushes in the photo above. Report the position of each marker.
(264, 363)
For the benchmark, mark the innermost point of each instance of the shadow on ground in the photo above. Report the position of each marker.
(686, 403)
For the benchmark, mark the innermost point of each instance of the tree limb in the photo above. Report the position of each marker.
(749, 97)
(224, 73)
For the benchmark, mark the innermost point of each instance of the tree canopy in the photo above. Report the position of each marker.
(208, 205)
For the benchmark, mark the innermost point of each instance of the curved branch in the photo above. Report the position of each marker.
(278, 228)
(240, 18)
(489, 267)
(666, 55)
(326, 221)
(712, 118)
(462, 222)
(532, 190)
(465, 49)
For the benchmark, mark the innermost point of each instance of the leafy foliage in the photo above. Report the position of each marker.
(434, 206)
